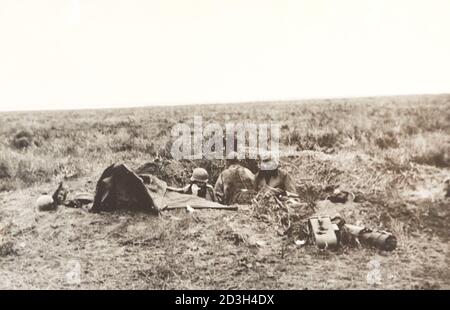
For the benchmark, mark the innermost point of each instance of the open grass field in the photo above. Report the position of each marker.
(393, 153)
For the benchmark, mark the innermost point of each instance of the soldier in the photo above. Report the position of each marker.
(232, 180)
(274, 178)
(199, 185)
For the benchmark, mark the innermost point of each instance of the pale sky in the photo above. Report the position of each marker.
(60, 54)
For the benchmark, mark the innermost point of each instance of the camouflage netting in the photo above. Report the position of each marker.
(268, 209)
(244, 197)
(288, 216)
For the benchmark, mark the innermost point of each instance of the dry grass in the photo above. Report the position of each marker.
(392, 153)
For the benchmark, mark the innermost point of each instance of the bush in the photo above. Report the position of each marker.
(4, 171)
(388, 140)
(328, 139)
(30, 171)
(122, 141)
(7, 248)
(431, 149)
(439, 157)
(317, 140)
(22, 139)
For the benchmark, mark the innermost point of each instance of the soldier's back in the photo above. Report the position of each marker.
(240, 176)
(234, 179)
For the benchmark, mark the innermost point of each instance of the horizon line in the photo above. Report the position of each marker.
(207, 103)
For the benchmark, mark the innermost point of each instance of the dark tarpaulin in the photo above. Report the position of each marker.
(119, 188)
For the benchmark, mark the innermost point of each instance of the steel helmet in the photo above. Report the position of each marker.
(268, 161)
(200, 175)
(232, 157)
(45, 203)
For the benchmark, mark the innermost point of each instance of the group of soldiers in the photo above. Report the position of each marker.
(236, 178)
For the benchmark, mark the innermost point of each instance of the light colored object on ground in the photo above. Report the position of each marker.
(260, 243)
(45, 203)
(80, 200)
(293, 202)
(300, 242)
(323, 232)
(83, 197)
(200, 175)
(339, 196)
(189, 209)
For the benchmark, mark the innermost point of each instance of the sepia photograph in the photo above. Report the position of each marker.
(224, 145)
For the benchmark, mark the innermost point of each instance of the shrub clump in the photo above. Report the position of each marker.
(387, 140)
(23, 139)
(438, 157)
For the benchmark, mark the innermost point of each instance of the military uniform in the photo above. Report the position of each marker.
(231, 181)
(278, 179)
(206, 192)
